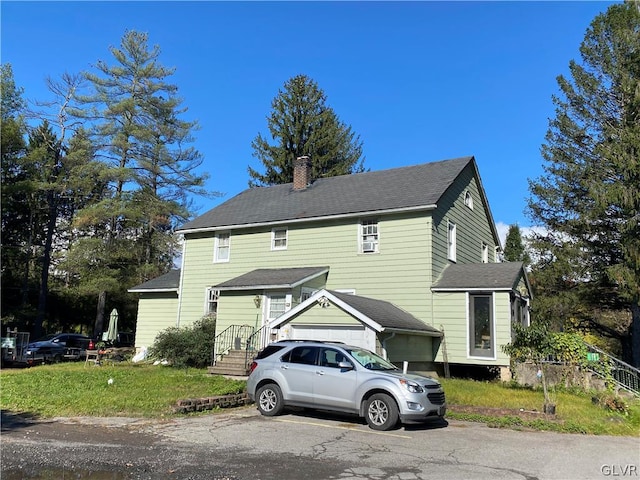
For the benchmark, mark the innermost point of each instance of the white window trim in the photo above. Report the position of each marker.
(484, 252)
(348, 291)
(273, 238)
(361, 235)
(452, 240)
(207, 296)
(468, 199)
(493, 322)
(216, 248)
(267, 306)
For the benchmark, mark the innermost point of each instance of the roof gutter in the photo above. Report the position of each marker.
(291, 221)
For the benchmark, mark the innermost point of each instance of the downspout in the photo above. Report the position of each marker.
(384, 345)
(184, 244)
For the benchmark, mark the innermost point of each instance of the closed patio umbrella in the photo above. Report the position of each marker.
(112, 333)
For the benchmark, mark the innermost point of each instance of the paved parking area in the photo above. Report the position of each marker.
(241, 444)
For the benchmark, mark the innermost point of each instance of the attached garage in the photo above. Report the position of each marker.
(360, 336)
(365, 322)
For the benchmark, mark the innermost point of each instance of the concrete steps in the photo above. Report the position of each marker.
(233, 363)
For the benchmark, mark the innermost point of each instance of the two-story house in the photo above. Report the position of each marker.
(400, 261)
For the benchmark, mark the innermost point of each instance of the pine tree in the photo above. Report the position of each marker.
(16, 275)
(302, 124)
(588, 199)
(514, 249)
(140, 133)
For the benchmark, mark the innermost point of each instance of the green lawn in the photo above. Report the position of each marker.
(575, 411)
(76, 389)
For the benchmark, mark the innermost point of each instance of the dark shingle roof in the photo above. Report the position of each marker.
(415, 186)
(385, 314)
(492, 276)
(272, 278)
(167, 282)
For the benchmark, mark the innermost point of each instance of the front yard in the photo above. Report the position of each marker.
(132, 390)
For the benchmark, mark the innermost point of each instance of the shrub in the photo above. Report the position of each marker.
(189, 346)
(612, 402)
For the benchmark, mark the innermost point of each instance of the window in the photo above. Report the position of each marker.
(305, 293)
(481, 336)
(211, 306)
(222, 248)
(485, 253)
(304, 355)
(279, 239)
(369, 236)
(331, 358)
(468, 199)
(451, 242)
(277, 305)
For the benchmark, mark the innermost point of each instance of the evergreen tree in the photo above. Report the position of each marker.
(152, 169)
(588, 199)
(16, 276)
(514, 249)
(301, 123)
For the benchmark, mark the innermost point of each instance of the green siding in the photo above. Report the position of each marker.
(472, 225)
(410, 348)
(156, 312)
(399, 273)
(451, 316)
(317, 315)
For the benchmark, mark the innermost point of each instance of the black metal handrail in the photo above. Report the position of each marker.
(232, 338)
(256, 342)
(624, 375)
(609, 368)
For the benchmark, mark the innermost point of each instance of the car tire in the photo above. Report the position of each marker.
(56, 359)
(269, 400)
(381, 412)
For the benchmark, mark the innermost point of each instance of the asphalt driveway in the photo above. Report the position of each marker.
(241, 444)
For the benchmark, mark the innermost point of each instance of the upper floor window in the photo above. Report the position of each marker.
(279, 239)
(369, 236)
(211, 306)
(468, 199)
(451, 242)
(485, 253)
(222, 247)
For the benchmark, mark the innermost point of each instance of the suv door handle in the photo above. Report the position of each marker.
(284, 367)
(319, 372)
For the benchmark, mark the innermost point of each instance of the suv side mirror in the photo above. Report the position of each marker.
(345, 365)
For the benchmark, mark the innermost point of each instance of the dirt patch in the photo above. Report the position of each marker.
(503, 412)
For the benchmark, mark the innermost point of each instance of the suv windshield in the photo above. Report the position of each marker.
(370, 360)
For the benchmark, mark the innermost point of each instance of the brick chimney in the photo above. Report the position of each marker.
(301, 173)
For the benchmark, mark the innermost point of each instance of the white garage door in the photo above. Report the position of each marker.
(351, 335)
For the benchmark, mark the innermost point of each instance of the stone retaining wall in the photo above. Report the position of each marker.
(190, 405)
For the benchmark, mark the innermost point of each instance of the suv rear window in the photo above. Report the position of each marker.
(305, 355)
(268, 351)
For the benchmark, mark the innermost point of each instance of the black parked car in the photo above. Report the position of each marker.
(57, 346)
(44, 352)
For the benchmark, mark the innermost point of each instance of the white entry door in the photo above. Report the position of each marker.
(358, 336)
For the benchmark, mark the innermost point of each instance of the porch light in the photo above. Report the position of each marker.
(257, 300)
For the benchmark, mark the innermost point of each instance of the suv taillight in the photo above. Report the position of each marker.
(252, 367)
(92, 346)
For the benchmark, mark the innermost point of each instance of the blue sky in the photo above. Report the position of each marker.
(418, 81)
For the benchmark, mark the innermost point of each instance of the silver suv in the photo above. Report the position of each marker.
(342, 378)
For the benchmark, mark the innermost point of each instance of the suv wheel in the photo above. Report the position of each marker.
(381, 412)
(270, 401)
